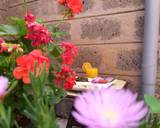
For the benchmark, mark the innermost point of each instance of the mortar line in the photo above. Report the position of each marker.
(115, 74)
(23, 3)
(112, 43)
(1, 9)
(158, 77)
(99, 15)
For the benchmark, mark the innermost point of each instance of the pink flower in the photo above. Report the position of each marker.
(69, 54)
(36, 32)
(109, 108)
(29, 18)
(3, 86)
(1, 41)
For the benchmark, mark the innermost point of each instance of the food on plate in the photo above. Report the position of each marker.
(86, 66)
(99, 80)
(91, 72)
(82, 79)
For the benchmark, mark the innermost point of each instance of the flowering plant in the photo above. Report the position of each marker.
(110, 108)
(35, 70)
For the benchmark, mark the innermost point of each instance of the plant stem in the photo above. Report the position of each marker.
(61, 21)
(25, 6)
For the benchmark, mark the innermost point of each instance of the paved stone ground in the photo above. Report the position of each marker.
(62, 123)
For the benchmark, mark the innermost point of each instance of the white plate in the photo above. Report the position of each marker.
(80, 86)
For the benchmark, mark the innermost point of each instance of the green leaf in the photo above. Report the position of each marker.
(155, 123)
(153, 103)
(20, 23)
(17, 27)
(55, 31)
(5, 116)
(16, 124)
(56, 52)
(143, 125)
(38, 20)
(12, 87)
(50, 47)
(13, 19)
(7, 30)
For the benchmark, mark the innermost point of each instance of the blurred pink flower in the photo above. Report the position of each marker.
(109, 108)
(3, 86)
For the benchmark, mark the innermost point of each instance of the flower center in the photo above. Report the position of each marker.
(111, 115)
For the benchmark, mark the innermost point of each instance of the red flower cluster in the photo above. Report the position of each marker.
(36, 32)
(74, 5)
(69, 54)
(26, 64)
(66, 77)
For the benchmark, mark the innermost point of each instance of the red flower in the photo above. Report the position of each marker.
(36, 32)
(39, 58)
(70, 81)
(69, 54)
(61, 1)
(65, 69)
(66, 77)
(26, 64)
(75, 6)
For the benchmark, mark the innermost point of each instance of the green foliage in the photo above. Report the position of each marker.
(152, 122)
(154, 118)
(9, 30)
(21, 25)
(55, 31)
(56, 52)
(39, 109)
(59, 94)
(38, 20)
(16, 27)
(5, 116)
(26, 45)
(34, 102)
(55, 56)
(7, 63)
(153, 103)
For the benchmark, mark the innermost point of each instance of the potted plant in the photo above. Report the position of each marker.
(35, 69)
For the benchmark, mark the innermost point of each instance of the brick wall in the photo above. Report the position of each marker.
(109, 33)
(3, 10)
